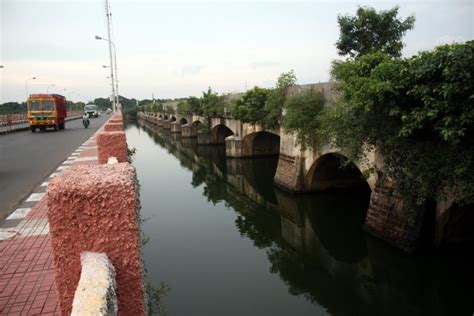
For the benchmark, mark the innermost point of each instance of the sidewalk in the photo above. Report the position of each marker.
(26, 264)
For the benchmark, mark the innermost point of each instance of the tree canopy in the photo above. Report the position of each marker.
(419, 112)
(371, 31)
(250, 108)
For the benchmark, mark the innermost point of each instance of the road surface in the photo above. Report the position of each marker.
(27, 158)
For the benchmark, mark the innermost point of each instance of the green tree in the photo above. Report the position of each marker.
(195, 105)
(276, 99)
(419, 114)
(371, 31)
(184, 108)
(211, 103)
(301, 116)
(250, 108)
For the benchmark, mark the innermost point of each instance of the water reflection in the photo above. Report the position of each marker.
(315, 243)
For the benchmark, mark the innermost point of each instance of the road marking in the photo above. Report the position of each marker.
(60, 168)
(54, 174)
(68, 162)
(19, 213)
(26, 228)
(44, 184)
(75, 154)
(87, 158)
(35, 197)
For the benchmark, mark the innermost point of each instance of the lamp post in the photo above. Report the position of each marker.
(47, 89)
(114, 65)
(26, 85)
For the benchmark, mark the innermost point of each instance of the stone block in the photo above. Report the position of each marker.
(95, 209)
(111, 144)
(113, 127)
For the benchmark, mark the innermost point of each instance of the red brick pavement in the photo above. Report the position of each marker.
(26, 264)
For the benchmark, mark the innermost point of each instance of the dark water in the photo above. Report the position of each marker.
(227, 243)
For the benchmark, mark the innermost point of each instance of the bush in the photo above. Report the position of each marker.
(301, 115)
(418, 112)
(250, 108)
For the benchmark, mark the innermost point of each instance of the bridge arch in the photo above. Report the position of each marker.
(260, 143)
(172, 119)
(165, 117)
(334, 171)
(183, 121)
(160, 116)
(219, 133)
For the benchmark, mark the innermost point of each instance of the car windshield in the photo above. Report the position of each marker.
(90, 108)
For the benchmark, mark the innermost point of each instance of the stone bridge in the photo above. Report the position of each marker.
(307, 169)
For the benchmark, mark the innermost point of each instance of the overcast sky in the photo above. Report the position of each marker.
(177, 49)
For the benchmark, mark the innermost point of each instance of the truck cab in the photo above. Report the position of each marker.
(46, 110)
(92, 110)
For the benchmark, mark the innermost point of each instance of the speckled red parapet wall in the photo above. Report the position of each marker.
(111, 144)
(95, 208)
(113, 127)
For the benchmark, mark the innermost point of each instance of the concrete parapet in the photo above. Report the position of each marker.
(111, 144)
(113, 127)
(95, 208)
(95, 293)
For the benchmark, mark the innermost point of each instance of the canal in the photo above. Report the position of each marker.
(226, 242)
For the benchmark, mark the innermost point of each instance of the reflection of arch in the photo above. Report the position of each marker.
(172, 119)
(331, 171)
(219, 133)
(183, 121)
(260, 144)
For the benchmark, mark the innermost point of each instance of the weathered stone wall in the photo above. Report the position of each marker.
(387, 218)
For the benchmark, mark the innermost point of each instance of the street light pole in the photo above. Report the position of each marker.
(113, 64)
(26, 85)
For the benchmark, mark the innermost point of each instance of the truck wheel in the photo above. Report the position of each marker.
(33, 129)
(55, 127)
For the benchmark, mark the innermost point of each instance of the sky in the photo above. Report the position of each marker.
(180, 48)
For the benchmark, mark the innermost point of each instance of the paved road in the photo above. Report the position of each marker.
(27, 158)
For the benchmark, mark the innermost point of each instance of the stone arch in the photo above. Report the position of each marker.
(160, 116)
(183, 121)
(219, 133)
(165, 117)
(261, 143)
(172, 119)
(332, 171)
(196, 123)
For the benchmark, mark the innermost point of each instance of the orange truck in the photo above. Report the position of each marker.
(47, 110)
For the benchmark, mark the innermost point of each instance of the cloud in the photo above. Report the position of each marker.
(263, 64)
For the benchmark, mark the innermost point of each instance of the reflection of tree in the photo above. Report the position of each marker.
(337, 266)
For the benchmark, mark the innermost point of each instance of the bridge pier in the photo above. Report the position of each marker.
(233, 146)
(188, 130)
(204, 138)
(166, 124)
(159, 122)
(175, 127)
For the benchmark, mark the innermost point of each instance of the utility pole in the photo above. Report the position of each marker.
(109, 14)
